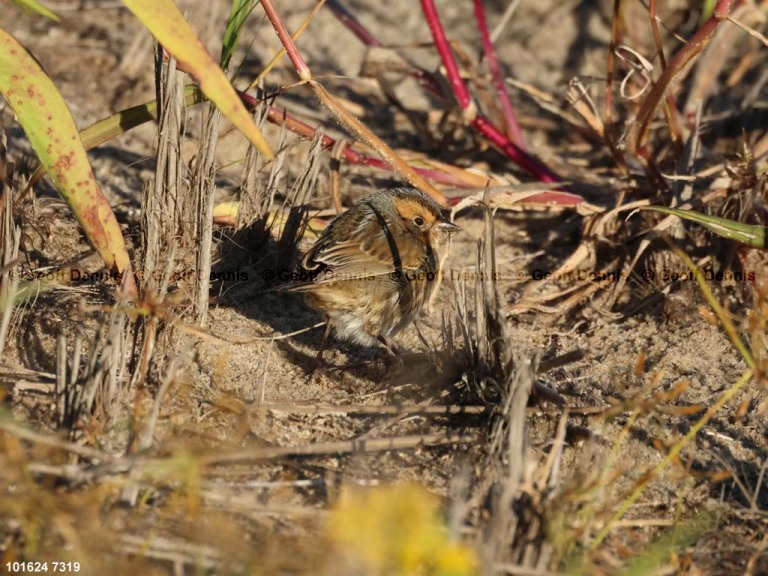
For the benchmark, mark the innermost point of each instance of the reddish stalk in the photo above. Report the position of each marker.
(679, 62)
(353, 24)
(287, 41)
(446, 56)
(390, 159)
(280, 117)
(520, 157)
(670, 109)
(513, 127)
(480, 123)
(471, 116)
(343, 116)
(423, 77)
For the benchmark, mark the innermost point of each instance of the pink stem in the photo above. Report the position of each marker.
(280, 117)
(513, 151)
(513, 127)
(285, 38)
(478, 121)
(481, 123)
(352, 23)
(446, 55)
(424, 78)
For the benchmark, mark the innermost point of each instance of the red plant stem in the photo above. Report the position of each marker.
(424, 78)
(446, 56)
(477, 121)
(353, 24)
(287, 41)
(513, 127)
(280, 117)
(520, 157)
(656, 33)
(679, 61)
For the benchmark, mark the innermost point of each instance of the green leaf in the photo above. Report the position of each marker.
(751, 235)
(167, 24)
(31, 6)
(48, 123)
(121, 122)
(240, 11)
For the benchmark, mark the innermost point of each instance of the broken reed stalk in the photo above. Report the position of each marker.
(164, 204)
(10, 238)
(508, 535)
(254, 198)
(203, 186)
(164, 201)
(297, 200)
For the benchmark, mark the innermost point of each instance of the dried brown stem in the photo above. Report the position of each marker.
(670, 109)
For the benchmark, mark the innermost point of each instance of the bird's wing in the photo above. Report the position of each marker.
(375, 254)
(351, 260)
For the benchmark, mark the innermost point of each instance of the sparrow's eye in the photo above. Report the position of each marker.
(419, 221)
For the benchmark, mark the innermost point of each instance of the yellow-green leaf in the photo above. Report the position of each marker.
(120, 123)
(749, 234)
(51, 130)
(167, 24)
(30, 6)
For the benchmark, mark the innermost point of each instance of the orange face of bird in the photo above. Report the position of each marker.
(417, 218)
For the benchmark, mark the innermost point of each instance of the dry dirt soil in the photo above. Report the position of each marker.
(657, 338)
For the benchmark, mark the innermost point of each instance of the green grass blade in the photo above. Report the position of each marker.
(659, 553)
(237, 16)
(120, 122)
(32, 6)
(751, 235)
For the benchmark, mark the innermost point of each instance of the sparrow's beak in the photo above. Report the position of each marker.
(448, 228)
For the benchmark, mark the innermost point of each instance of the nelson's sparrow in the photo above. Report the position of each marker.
(375, 265)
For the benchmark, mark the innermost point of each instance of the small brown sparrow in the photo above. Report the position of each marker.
(375, 265)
